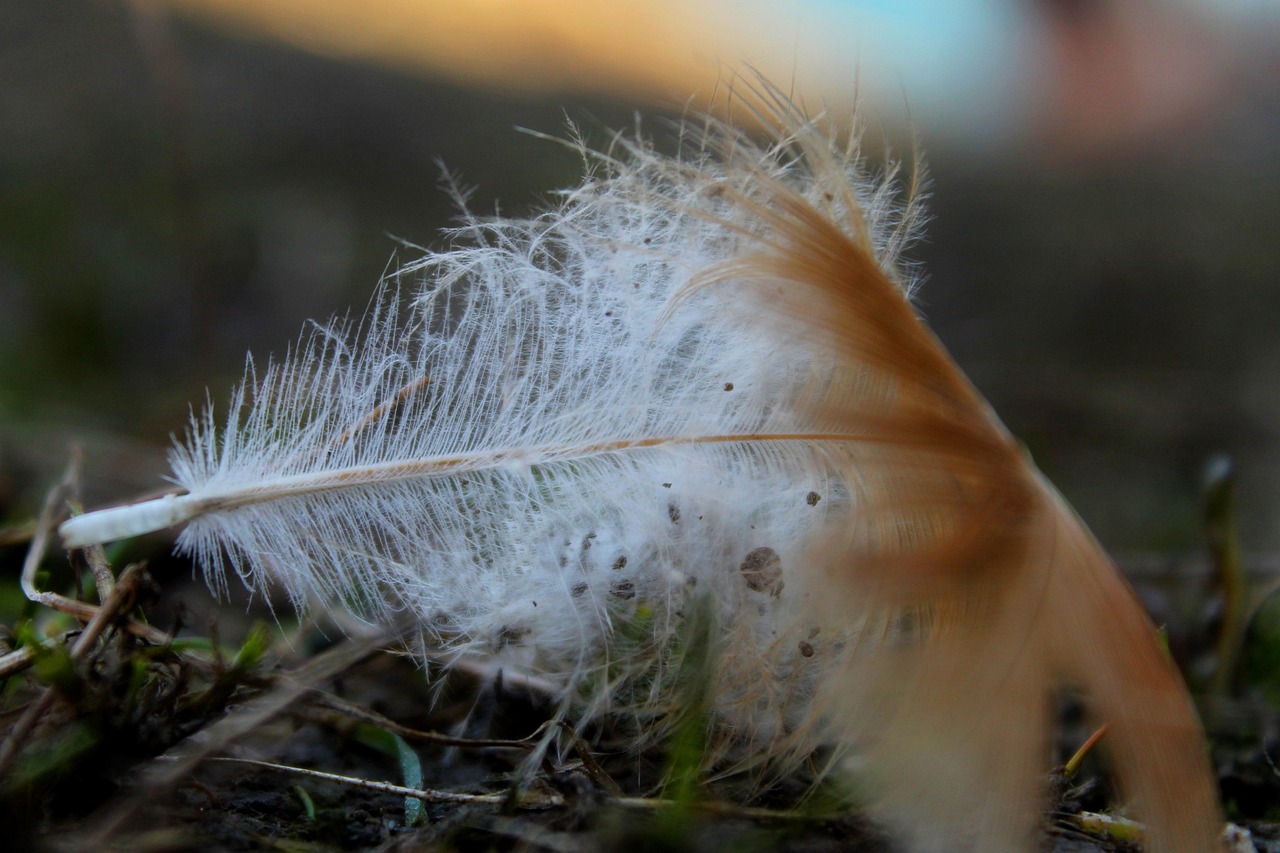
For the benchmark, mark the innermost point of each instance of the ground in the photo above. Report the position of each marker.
(118, 738)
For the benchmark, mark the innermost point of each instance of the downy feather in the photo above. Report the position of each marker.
(699, 378)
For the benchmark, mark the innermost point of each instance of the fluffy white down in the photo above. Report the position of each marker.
(557, 445)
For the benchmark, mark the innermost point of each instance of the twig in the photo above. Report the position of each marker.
(103, 579)
(176, 764)
(543, 801)
(40, 537)
(530, 742)
(715, 807)
(19, 659)
(122, 598)
(1107, 826)
(589, 764)
(1073, 764)
(44, 526)
(324, 699)
(429, 795)
(486, 670)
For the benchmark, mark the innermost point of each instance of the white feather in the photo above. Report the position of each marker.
(695, 387)
(559, 436)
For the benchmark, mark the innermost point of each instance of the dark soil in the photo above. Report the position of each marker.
(129, 752)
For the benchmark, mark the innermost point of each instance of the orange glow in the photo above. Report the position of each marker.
(1101, 77)
(643, 48)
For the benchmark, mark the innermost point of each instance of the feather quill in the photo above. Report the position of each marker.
(700, 377)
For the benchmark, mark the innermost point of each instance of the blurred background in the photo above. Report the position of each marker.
(182, 182)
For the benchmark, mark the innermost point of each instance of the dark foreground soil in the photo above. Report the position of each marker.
(116, 741)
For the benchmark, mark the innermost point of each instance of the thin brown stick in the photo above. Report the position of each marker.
(326, 700)
(122, 598)
(20, 659)
(1073, 764)
(175, 765)
(103, 579)
(551, 800)
(429, 795)
(528, 743)
(17, 661)
(589, 764)
(44, 526)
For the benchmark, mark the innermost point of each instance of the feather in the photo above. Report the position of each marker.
(697, 385)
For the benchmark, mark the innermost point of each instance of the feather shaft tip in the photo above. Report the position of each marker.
(123, 522)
